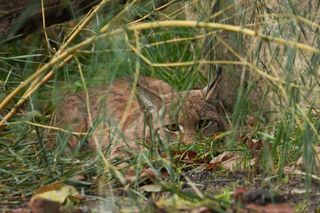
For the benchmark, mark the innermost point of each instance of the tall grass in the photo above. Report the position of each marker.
(270, 58)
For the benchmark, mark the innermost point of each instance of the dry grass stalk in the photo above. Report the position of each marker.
(70, 52)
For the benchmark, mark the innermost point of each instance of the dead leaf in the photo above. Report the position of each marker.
(40, 205)
(150, 188)
(233, 164)
(293, 171)
(213, 166)
(299, 191)
(52, 198)
(250, 122)
(299, 162)
(186, 156)
(131, 175)
(254, 145)
(227, 160)
(58, 192)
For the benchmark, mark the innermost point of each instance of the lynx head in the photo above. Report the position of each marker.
(184, 115)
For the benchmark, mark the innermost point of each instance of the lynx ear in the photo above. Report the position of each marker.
(209, 91)
(148, 100)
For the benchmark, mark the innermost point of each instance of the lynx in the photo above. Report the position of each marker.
(119, 118)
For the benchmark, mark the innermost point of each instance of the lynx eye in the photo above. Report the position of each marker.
(203, 124)
(173, 128)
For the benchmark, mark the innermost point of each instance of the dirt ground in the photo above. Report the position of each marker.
(294, 189)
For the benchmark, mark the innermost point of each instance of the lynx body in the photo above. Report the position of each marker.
(120, 117)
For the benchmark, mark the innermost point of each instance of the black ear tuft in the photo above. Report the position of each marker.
(210, 91)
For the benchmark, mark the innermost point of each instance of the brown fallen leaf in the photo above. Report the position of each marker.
(50, 198)
(250, 122)
(256, 148)
(40, 205)
(189, 156)
(57, 192)
(131, 175)
(254, 145)
(227, 160)
(293, 171)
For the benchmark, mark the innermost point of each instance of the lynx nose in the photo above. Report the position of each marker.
(188, 138)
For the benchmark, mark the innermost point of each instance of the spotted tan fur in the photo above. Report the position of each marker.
(155, 104)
